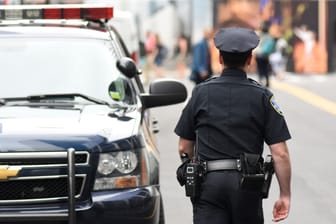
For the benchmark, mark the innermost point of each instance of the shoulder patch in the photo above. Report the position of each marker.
(275, 106)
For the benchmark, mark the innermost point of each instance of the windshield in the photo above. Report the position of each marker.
(34, 66)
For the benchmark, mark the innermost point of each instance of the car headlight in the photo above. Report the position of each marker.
(126, 161)
(107, 163)
(123, 169)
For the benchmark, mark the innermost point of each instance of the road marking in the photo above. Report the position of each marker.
(307, 96)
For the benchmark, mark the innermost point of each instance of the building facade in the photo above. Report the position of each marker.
(309, 26)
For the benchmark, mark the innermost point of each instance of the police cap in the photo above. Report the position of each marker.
(236, 40)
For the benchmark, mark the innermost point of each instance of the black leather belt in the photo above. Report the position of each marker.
(223, 164)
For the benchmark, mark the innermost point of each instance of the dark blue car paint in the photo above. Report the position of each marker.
(139, 205)
(118, 206)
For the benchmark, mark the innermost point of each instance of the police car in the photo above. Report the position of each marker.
(76, 136)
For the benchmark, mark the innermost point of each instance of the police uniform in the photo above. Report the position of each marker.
(232, 114)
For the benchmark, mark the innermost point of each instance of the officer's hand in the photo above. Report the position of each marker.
(281, 209)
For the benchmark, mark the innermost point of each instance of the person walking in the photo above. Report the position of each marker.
(265, 48)
(230, 117)
(278, 59)
(201, 62)
(181, 54)
(160, 54)
(150, 50)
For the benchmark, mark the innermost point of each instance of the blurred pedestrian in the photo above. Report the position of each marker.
(308, 38)
(310, 56)
(160, 54)
(278, 59)
(150, 47)
(150, 42)
(201, 61)
(181, 54)
(265, 48)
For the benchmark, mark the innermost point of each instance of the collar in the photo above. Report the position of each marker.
(234, 73)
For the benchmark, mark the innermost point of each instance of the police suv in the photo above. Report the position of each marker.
(76, 136)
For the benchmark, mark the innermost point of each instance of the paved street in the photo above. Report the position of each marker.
(312, 148)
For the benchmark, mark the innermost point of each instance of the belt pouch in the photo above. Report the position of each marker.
(252, 182)
(252, 176)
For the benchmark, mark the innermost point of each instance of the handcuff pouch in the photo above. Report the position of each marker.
(252, 175)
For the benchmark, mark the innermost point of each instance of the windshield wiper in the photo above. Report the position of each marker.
(62, 96)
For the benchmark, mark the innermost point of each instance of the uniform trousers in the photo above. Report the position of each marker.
(223, 202)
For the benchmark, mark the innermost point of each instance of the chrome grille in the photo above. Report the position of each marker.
(42, 176)
(41, 158)
(38, 189)
(79, 159)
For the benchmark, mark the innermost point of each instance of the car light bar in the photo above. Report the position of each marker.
(29, 12)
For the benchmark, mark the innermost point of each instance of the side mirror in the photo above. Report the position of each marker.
(164, 92)
(127, 67)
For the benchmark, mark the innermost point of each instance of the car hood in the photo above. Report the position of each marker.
(89, 124)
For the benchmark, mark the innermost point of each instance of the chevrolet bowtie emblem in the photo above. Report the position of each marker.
(7, 172)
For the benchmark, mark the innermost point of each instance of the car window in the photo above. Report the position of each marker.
(33, 66)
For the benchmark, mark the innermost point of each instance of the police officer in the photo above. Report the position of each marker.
(232, 115)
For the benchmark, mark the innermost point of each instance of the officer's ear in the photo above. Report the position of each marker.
(249, 60)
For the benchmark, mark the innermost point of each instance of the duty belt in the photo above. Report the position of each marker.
(223, 164)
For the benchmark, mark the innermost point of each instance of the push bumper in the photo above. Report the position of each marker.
(141, 205)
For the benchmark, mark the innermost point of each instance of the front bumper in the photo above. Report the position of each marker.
(140, 205)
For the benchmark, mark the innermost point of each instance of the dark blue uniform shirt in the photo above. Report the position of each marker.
(233, 115)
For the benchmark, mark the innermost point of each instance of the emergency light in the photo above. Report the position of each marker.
(30, 12)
